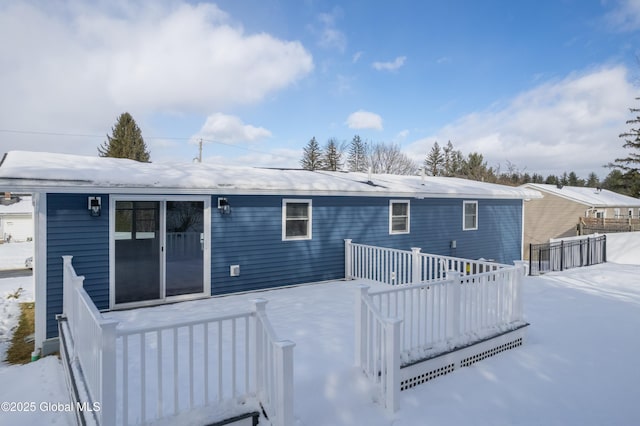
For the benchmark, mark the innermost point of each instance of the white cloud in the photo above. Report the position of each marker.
(329, 36)
(390, 66)
(364, 120)
(356, 56)
(75, 66)
(625, 16)
(571, 124)
(229, 129)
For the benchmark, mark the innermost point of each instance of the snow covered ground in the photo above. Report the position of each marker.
(578, 366)
(13, 255)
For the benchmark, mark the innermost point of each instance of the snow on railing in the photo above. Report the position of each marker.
(158, 372)
(407, 323)
(377, 343)
(398, 267)
(93, 339)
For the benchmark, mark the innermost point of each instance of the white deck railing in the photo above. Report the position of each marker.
(153, 373)
(407, 323)
(397, 267)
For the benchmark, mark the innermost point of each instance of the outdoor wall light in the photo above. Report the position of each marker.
(223, 206)
(95, 206)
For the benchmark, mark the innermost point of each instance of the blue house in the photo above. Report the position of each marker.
(150, 233)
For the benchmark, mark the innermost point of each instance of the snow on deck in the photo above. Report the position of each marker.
(577, 366)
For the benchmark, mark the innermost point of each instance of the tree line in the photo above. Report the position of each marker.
(126, 141)
(361, 156)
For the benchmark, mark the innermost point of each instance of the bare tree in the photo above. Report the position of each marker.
(389, 159)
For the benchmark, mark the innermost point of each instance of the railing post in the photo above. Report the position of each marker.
(67, 288)
(347, 260)
(360, 324)
(453, 304)
(259, 308)
(107, 397)
(392, 392)
(284, 387)
(416, 265)
(517, 310)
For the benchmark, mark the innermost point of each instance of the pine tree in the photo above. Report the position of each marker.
(630, 165)
(312, 156)
(434, 163)
(357, 159)
(592, 180)
(453, 160)
(332, 156)
(125, 141)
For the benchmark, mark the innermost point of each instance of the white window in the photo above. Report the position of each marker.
(616, 213)
(399, 218)
(296, 219)
(630, 213)
(470, 216)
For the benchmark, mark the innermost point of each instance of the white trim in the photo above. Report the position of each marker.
(40, 267)
(74, 187)
(286, 201)
(464, 215)
(206, 252)
(408, 230)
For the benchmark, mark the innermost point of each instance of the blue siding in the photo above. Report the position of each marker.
(72, 231)
(251, 236)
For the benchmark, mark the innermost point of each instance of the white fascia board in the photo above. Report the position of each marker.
(85, 187)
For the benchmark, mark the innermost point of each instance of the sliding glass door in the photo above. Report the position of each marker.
(185, 247)
(159, 249)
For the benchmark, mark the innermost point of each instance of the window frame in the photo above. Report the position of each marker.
(309, 202)
(464, 215)
(391, 216)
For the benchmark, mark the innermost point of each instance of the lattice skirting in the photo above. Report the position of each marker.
(428, 369)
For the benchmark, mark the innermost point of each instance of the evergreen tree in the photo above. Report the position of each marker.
(552, 180)
(573, 180)
(453, 160)
(125, 141)
(536, 178)
(614, 180)
(332, 156)
(630, 165)
(434, 163)
(357, 159)
(593, 181)
(312, 156)
(475, 168)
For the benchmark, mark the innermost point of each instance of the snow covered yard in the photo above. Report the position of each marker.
(41, 385)
(578, 366)
(13, 255)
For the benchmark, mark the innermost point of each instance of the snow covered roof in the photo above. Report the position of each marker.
(46, 172)
(24, 206)
(591, 197)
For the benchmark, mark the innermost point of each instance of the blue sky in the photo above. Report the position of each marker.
(542, 85)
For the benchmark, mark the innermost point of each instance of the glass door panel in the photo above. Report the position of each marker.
(184, 258)
(137, 251)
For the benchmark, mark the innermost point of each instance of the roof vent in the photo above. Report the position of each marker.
(559, 185)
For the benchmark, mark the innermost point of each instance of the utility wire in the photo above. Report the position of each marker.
(34, 132)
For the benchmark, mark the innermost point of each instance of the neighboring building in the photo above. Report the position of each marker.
(16, 218)
(150, 233)
(566, 211)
